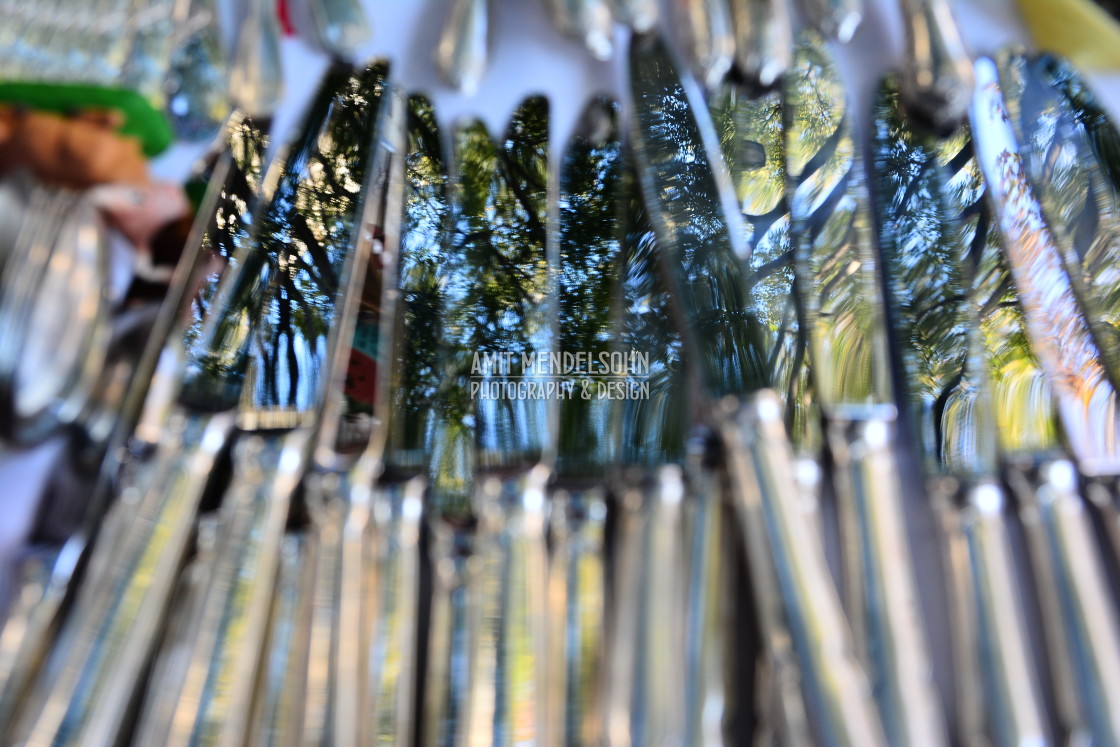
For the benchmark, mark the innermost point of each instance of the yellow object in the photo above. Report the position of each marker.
(1078, 29)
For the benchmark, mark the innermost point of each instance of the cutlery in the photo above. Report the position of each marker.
(587, 21)
(256, 79)
(1068, 354)
(945, 280)
(707, 38)
(463, 51)
(590, 241)
(763, 40)
(340, 26)
(124, 460)
(487, 475)
(316, 215)
(840, 286)
(87, 695)
(698, 224)
(646, 618)
(639, 15)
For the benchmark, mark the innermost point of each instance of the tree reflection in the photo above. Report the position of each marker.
(416, 373)
(217, 358)
(591, 264)
(314, 218)
(1075, 190)
(495, 300)
(752, 138)
(970, 374)
(228, 232)
(701, 266)
(834, 237)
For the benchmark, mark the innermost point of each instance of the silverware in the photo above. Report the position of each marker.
(698, 224)
(487, 480)
(706, 34)
(463, 52)
(763, 39)
(589, 296)
(586, 21)
(256, 76)
(340, 26)
(840, 287)
(944, 279)
(1067, 354)
(295, 357)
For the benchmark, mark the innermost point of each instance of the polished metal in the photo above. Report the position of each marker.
(587, 21)
(1079, 201)
(340, 26)
(936, 80)
(945, 282)
(463, 52)
(1059, 331)
(837, 19)
(707, 38)
(699, 228)
(840, 288)
(256, 81)
(763, 39)
(320, 225)
(488, 460)
(198, 96)
(590, 299)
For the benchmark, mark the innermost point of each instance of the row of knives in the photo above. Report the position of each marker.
(316, 535)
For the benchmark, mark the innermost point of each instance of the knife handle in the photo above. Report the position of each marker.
(215, 700)
(392, 588)
(801, 597)
(937, 78)
(647, 662)
(577, 599)
(999, 655)
(112, 630)
(880, 583)
(487, 648)
(1082, 630)
(508, 685)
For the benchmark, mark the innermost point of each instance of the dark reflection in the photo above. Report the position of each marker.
(1077, 194)
(495, 304)
(833, 230)
(314, 219)
(1102, 132)
(972, 378)
(415, 376)
(654, 427)
(217, 357)
(751, 135)
(687, 204)
(591, 264)
(1054, 322)
(228, 232)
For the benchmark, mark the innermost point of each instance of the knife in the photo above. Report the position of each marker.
(750, 130)
(320, 217)
(841, 290)
(942, 266)
(698, 225)
(1069, 356)
(589, 275)
(131, 465)
(492, 436)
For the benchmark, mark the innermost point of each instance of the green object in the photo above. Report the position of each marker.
(141, 120)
